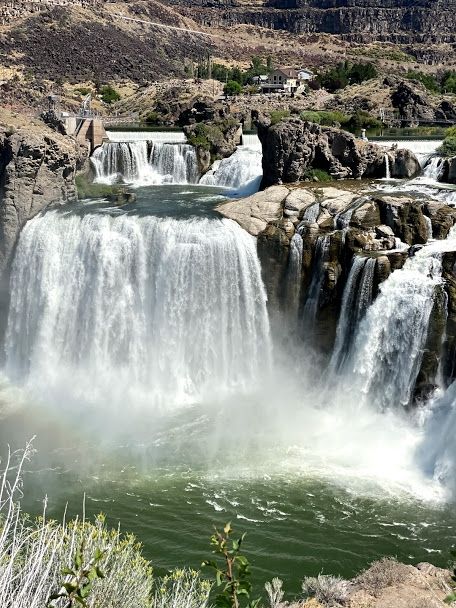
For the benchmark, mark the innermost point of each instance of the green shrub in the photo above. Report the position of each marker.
(84, 90)
(344, 74)
(364, 120)
(448, 147)
(311, 116)
(232, 88)
(108, 94)
(152, 118)
(278, 115)
(317, 175)
(428, 80)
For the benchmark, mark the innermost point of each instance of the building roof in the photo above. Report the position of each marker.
(289, 72)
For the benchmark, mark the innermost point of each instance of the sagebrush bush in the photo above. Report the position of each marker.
(326, 589)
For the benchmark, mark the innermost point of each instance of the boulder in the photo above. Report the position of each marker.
(293, 148)
(37, 167)
(255, 212)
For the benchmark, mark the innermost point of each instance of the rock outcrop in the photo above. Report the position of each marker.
(346, 223)
(213, 140)
(293, 148)
(37, 167)
(399, 21)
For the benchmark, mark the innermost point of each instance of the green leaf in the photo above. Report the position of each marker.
(99, 572)
(86, 589)
(227, 529)
(81, 601)
(218, 577)
(69, 587)
(78, 559)
(68, 571)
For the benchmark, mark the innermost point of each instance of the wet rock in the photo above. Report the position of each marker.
(442, 218)
(405, 217)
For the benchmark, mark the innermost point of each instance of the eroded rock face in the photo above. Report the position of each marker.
(293, 148)
(385, 228)
(37, 167)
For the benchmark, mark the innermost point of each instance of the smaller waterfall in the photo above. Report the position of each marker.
(311, 213)
(243, 169)
(387, 166)
(356, 299)
(428, 221)
(120, 161)
(434, 168)
(174, 163)
(389, 344)
(130, 162)
(318, 275)
(294, 273)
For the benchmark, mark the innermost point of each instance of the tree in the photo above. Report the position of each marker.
(232, 87)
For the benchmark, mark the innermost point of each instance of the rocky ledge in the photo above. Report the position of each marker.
(293, 148)
(352, 221)
(37, 167)
(386, 584)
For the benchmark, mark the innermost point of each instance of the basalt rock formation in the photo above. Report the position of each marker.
(292, 148)
(385, 228)
(400, 21)
(37, 167)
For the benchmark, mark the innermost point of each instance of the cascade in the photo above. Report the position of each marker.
(121, 161)
(433, 168)
(318, 274)
(428, 221)
(357, 297)
(311, 213)
(169, 137)
(388, 347)
(422, 148)
(294, 273)
(129, 162)
(241, 169)
(387, 166)
(174, 164)
(136, 310)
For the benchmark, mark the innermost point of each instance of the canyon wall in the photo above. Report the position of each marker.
(399, 21)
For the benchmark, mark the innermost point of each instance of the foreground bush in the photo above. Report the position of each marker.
(38, 557)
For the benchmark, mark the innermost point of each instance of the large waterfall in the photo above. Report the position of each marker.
(136, 310)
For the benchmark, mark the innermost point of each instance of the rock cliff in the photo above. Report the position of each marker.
(400, 21)
(292, 148)
(37, 167)
(349, 222)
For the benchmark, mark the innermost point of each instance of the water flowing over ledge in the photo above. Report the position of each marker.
(142, 309)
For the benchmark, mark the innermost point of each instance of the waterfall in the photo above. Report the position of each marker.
(294, 273)
(356, 299)
(318, 274)
(428, 221)
(121, 161)
(311, 213)
(389, 343)
(168, 137)
(130, 162)
(422, 148)
(387, 166)
(437, 453)
(136, 310)
(434, 168)
(174, 164)
(243, 169)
